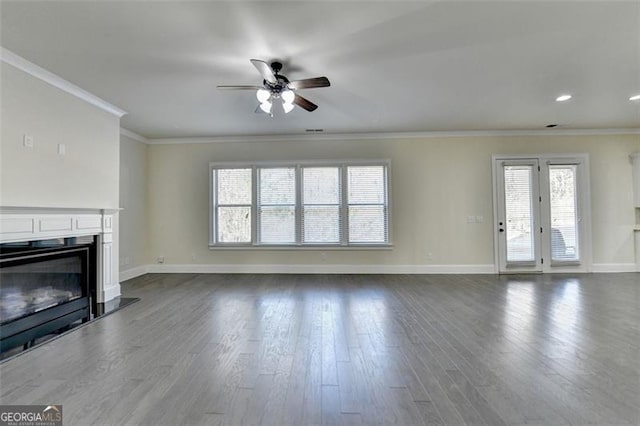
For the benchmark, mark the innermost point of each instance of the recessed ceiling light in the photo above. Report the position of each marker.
(635, 98)
(563, 98)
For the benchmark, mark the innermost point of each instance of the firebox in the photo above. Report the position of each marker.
(45, 286)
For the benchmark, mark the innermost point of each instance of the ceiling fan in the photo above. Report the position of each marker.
(277, 86)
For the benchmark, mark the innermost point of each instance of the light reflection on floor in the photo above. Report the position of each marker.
(565, 310)
(551, 324)
(520, 310)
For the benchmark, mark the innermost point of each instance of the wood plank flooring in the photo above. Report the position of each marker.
(348, 349)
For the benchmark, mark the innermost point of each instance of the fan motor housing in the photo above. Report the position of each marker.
(276, 88)
(276, 66)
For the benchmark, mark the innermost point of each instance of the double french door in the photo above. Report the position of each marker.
(539, 214)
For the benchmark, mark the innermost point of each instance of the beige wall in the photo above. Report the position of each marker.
(436, 183)
(86, 177)
(133, 201)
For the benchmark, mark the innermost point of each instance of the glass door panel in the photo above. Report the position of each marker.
(563, 209)
(520, 243)
(518, 223)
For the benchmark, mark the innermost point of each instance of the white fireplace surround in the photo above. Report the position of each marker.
(34, 223)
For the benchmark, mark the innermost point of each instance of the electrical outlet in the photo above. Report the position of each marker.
(27, 141)
(62, 149)
(160, 259)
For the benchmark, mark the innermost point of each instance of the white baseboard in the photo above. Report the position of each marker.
(321, 269)
(133, 272)
(613, 267)
(110, 292)
(342, 269)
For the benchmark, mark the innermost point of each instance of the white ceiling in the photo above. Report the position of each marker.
(394, 65)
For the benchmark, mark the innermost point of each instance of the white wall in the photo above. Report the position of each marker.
(133, 201)
(86, 177)
(436, 183)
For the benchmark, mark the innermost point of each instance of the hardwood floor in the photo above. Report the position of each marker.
(348, 349)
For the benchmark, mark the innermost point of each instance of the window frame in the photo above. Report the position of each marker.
(299, 244)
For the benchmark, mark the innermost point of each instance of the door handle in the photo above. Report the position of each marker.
(501, 230)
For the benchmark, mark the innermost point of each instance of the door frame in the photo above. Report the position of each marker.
(584, 208)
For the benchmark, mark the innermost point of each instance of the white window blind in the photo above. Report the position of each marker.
(300, 204)
(563, 213)
(233, 205)
(277, 205)
(518, 213)
(367, 204)
(321, 205)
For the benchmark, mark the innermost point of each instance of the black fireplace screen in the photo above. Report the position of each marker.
(31, 287)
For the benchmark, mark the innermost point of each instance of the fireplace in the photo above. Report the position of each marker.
(77, 245)
(46, 286)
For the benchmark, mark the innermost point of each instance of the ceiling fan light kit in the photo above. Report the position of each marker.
(288, 96)
(276, 86)
(287, 106)
(266, 107)
(263, 95)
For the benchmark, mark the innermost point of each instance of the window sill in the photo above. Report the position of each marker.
(303, 248)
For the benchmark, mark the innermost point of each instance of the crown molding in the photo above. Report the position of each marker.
(38, 72)
(133, 135)
(392, 135)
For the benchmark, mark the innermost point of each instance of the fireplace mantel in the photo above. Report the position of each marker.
(40, 223)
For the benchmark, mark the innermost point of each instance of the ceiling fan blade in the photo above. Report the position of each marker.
(237, 87)
(309, 83)
(265, 70)
(304, 103)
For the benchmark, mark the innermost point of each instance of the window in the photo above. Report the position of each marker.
(321, 197)
(233, 205)
(367, 204)
(302, 204)
(277, 205)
